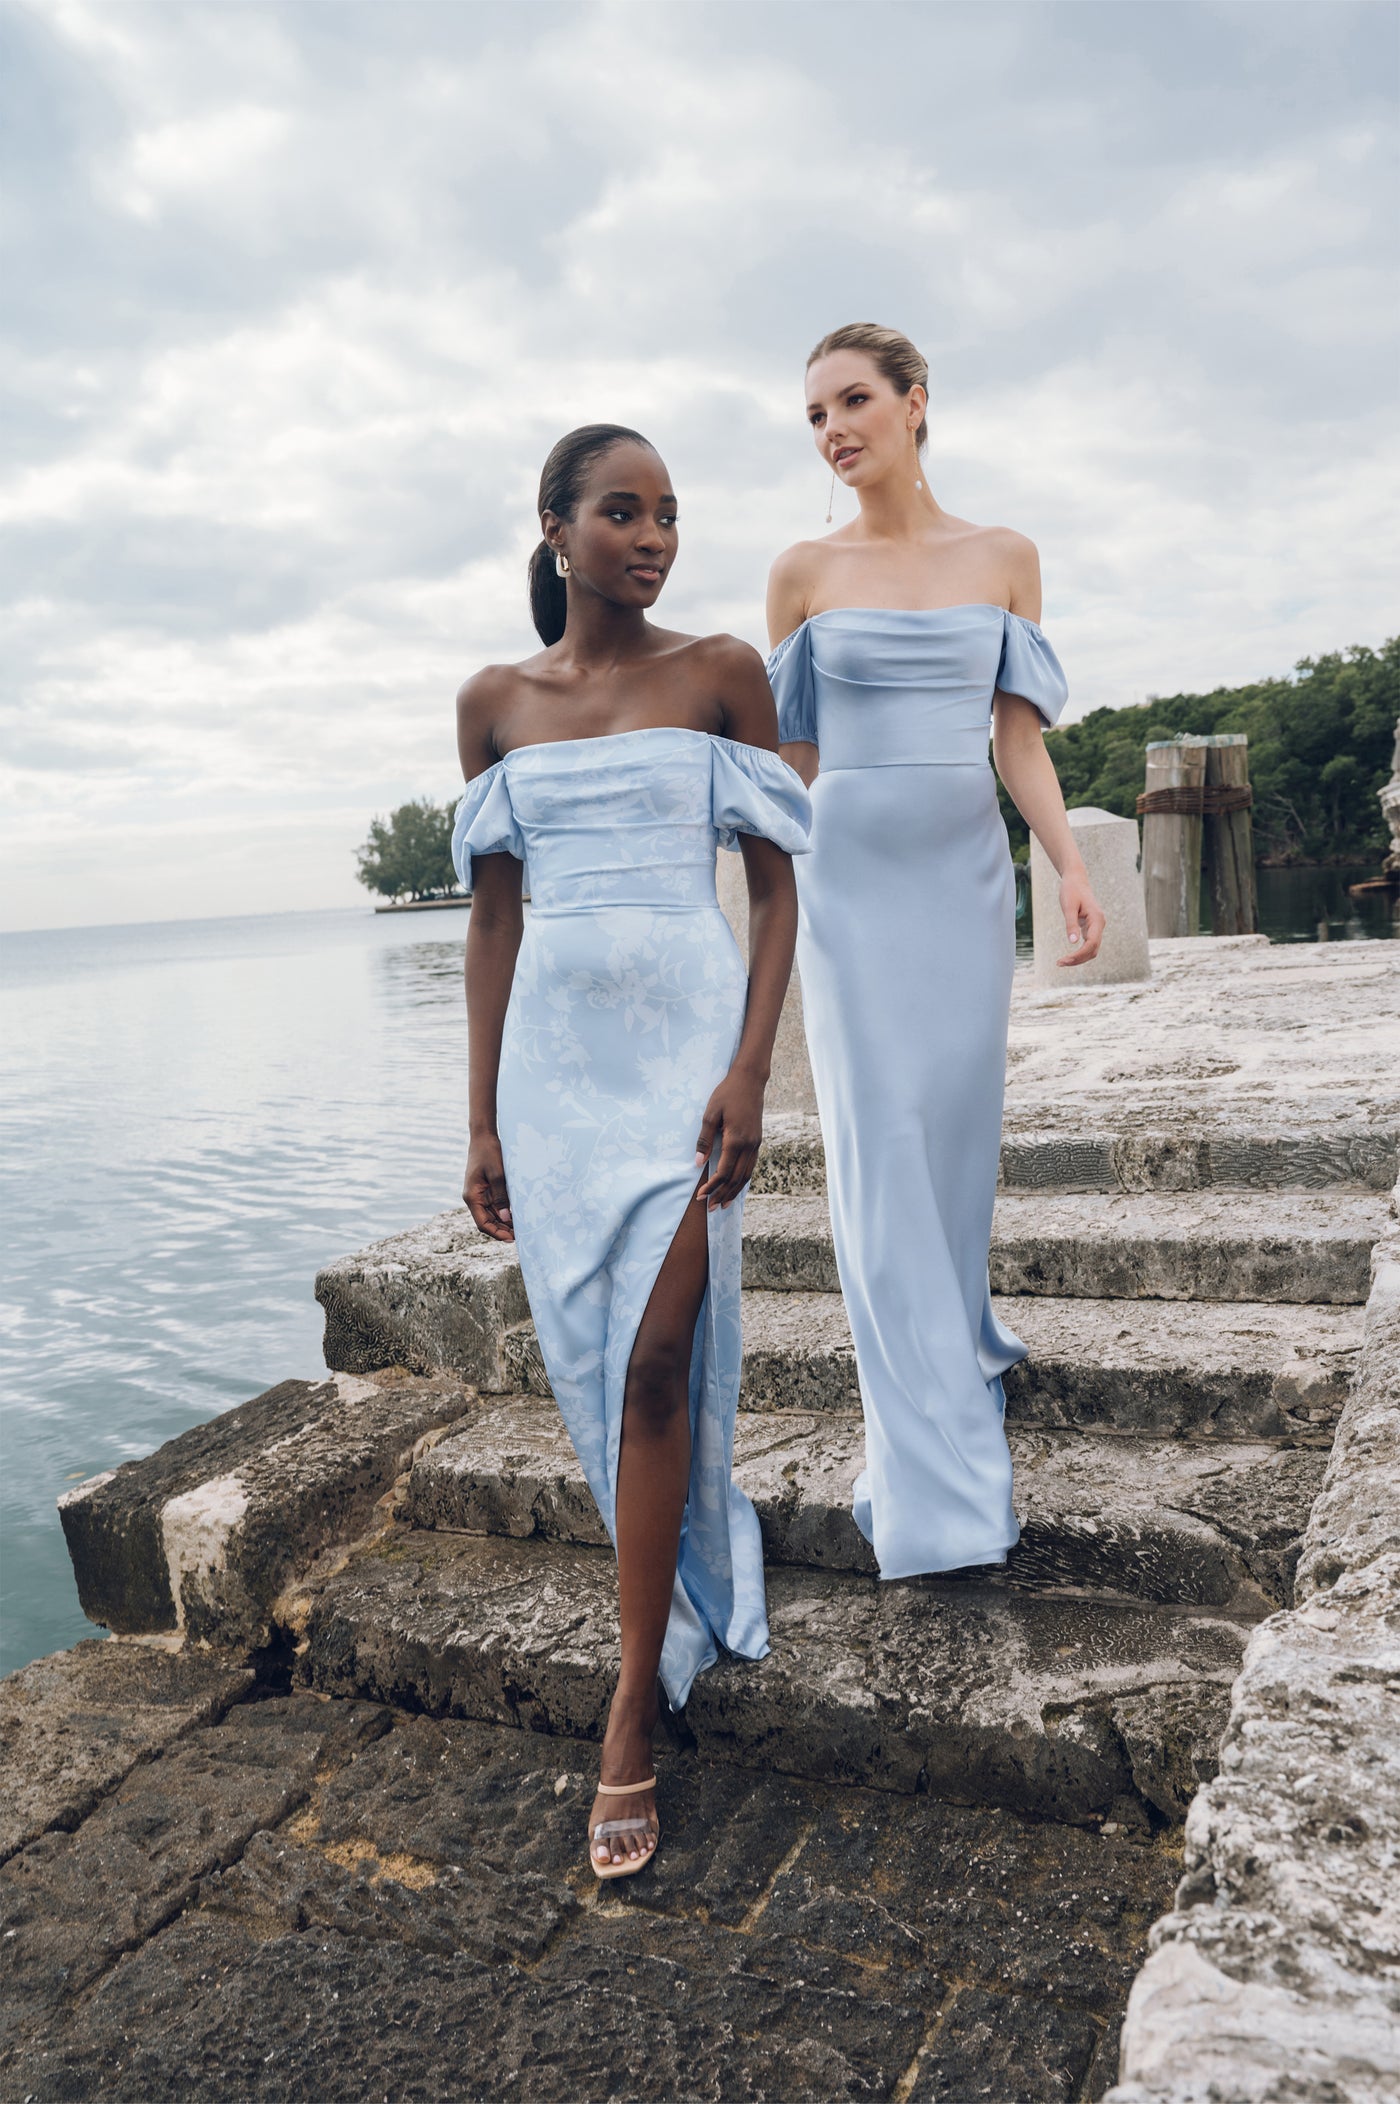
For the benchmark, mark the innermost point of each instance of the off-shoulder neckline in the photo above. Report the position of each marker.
(644, 730)
(961, 606)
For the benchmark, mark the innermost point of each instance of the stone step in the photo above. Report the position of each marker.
(1062, 1707)
(1204, 1245)
(441, 1297)
(1205, 1370)
(1148, 1519)
(1324, 1147)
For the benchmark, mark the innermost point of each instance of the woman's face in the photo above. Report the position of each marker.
(622, 539)
(862, 427)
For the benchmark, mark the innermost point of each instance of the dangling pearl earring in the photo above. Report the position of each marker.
(561, 565)
(918, 483)
(831, 498)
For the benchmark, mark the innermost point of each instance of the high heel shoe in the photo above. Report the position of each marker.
(607, 1829)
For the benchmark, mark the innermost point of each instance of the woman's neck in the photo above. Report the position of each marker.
(894, 509)
(599, 635)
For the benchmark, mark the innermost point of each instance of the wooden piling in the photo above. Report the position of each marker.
(1229, 837)
(1171, 836)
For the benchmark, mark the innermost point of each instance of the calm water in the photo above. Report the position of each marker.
(197, 1115)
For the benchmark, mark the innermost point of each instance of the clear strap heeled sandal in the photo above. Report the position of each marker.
(645, 1828)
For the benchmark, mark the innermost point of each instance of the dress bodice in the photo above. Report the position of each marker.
(898, 687)
(632, 819)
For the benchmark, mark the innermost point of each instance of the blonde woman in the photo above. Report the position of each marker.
(902, 641)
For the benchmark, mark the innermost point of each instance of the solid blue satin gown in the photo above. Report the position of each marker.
(625, 1012)
(906, 947)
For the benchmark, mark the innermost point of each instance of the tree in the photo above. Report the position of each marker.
(410, 854)
(1320, 747)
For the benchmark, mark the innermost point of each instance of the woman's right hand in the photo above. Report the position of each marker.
(484, 1189)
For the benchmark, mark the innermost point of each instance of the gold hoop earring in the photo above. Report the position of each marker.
(831, 498)
(561, 565)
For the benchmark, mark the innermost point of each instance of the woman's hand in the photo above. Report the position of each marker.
(735, 1114)
(484, 1189)
(1084, 917)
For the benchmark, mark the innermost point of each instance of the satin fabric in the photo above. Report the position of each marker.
(906, 949)
(625, 1011)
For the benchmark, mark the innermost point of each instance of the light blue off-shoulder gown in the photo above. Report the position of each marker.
(626, 1010)
(906, 948)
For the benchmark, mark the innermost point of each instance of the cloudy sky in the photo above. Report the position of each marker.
(299, 295)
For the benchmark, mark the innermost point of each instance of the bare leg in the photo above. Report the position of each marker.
(653, 1474)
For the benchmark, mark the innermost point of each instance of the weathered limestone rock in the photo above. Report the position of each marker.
(1231, 1037)
(1224, 1370)
(1316, 1145)
(1282, 1961)
(70, 1904)
(412, 1925)
(1194, 1370)
(1357, 1517)
(73, 1725)
(1210, 1526)
(1210, 1245)
(203, 1534)
(1198, 1370)
(980, 1694)
(440, 1296)
(1109, 845)
(1278, 1975)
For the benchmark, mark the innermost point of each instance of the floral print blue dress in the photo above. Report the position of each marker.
(625, 1012)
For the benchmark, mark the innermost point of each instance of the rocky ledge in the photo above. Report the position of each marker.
(311, 1825)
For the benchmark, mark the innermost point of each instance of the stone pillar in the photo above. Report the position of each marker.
(790, 1085)
(1109, 846)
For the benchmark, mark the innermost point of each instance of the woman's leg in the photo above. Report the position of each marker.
(653, 1473)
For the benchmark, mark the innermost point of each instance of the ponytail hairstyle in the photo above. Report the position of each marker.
(561, 486)
(901, 363)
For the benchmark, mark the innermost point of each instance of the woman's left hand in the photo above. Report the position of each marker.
(735, 1113)
(1084, 918)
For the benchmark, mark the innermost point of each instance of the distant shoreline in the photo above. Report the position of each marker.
(427, 905)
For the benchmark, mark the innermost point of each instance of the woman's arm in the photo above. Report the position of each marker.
(1018, 746)
(493, 940)
(789, 590)
(735, 1110)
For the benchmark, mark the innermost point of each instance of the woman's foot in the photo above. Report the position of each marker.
(630, 1814)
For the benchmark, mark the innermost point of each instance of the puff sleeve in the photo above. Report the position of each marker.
(789, 670)
(753, 791)
(485, 823)
(1030, 668)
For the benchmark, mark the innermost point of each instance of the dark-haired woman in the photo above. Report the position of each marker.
(619, 1054)
(902, 641)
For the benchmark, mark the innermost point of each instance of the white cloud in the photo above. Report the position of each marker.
(309, 292)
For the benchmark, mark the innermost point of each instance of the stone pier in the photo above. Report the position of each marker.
(311, 1825)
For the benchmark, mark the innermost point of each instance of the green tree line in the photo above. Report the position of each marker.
(1320, 745)
(409, 854)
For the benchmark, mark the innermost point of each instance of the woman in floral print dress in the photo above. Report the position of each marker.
(619, 1053)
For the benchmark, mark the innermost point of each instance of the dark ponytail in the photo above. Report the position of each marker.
(561, 485)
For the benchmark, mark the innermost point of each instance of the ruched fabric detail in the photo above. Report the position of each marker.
(789, 671)
(753, 791)
(1030, 668)
(484, 823)
(908, 687)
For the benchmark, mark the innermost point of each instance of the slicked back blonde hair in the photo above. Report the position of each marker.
(900, 361)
